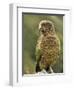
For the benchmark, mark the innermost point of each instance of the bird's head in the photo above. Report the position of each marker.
(46, 26)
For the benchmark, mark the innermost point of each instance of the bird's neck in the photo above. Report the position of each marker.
(48, 34)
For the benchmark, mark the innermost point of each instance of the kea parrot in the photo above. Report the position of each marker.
(47, 47)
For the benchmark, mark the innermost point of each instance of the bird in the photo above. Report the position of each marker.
(47, 47)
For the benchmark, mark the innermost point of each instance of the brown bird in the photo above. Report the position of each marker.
(47, 48)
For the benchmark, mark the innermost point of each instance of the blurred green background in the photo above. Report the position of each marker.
(30, 34)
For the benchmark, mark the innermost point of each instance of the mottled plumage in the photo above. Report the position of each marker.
(48, 46)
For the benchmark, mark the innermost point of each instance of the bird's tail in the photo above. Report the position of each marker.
(38, 68)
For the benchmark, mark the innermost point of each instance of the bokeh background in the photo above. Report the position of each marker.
(30, 34)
